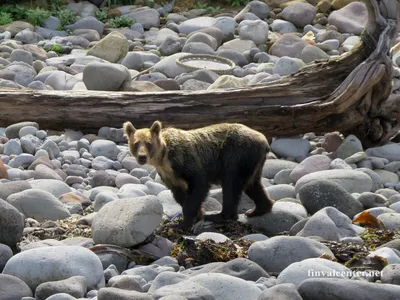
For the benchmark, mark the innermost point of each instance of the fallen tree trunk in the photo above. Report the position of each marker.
(349, 94)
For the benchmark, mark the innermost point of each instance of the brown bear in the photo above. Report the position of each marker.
(189, 161)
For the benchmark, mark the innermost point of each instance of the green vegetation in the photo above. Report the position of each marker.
(37, 16)
(119, 22)
(101, 15)
(235, 3)
(66, 16)
(207, 7)
(5, 18)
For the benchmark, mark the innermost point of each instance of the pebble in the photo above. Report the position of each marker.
(317, 194)
(330, 224)
(277, 253)
(297, 272)
(346, 289)
(38, 204)
(352, 181)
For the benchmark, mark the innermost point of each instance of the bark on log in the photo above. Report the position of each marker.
(351, 94)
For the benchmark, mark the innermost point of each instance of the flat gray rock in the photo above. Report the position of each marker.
(36, 266)
(346, 289)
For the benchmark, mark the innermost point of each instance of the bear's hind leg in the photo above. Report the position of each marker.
(232, 188)
(255, 190)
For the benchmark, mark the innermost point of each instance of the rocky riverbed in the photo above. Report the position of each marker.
(263, 42)
(81, 219)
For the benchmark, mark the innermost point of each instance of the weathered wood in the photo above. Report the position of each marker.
(349, 94)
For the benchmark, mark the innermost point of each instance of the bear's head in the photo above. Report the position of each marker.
(144, 144)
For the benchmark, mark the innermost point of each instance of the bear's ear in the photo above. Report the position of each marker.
(156, 128)
(129, 130)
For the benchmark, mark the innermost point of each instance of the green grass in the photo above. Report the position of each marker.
(5, 18)
(119, 22)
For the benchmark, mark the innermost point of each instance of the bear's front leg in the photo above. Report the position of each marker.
(198, 188)
(179, 194)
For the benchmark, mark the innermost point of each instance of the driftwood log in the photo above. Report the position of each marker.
(350, 94)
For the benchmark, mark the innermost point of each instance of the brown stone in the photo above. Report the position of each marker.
(3, 171)
(332, 141)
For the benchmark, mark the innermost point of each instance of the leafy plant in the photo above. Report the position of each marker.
(5, 18)
(118, 22)
(101, 15)
(234, 3)
(66, 16)
(36, 16)
(213, 9)
(200, 5)
(149, 3)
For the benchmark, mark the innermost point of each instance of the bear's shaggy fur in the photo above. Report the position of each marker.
(189, 161)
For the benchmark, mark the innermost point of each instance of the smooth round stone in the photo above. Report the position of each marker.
(273, 166)
(351, 180)
(282, 26)
(74, 287)
(297, 272)
(287, 65)
(103, 198)
(255, 237)
(391, 274)
(370, 200)
(318, 194)
(346, 289)
(284, 291)
(292, 207)
(283, 177)
(277, 253)
(145, 211)
(5, 254)
(254, 30)
(102, 163)
(130, 190)
(39, 265)
(214, 236)
(117, 293)
(329, 224)
(39, 204)
(149, 272)
(310, 165)
(350, 145)
(11, 223)
(391, 255)
(350, 19)
(390, 220)
(12, 147)
(55, 187)
(290, 147)
(272, 223)
(123, 179)
(13, 288)
(155, 188)
(27, 130)
(221, 286)
(104, 148)
(280, 191)
(300, 14)
(388, 151)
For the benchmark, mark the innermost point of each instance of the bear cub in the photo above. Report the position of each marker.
(189, 161)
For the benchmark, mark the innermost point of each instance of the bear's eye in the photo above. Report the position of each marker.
(135, 146)
(148, 146)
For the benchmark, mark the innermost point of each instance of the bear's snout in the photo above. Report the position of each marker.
(142, 159)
